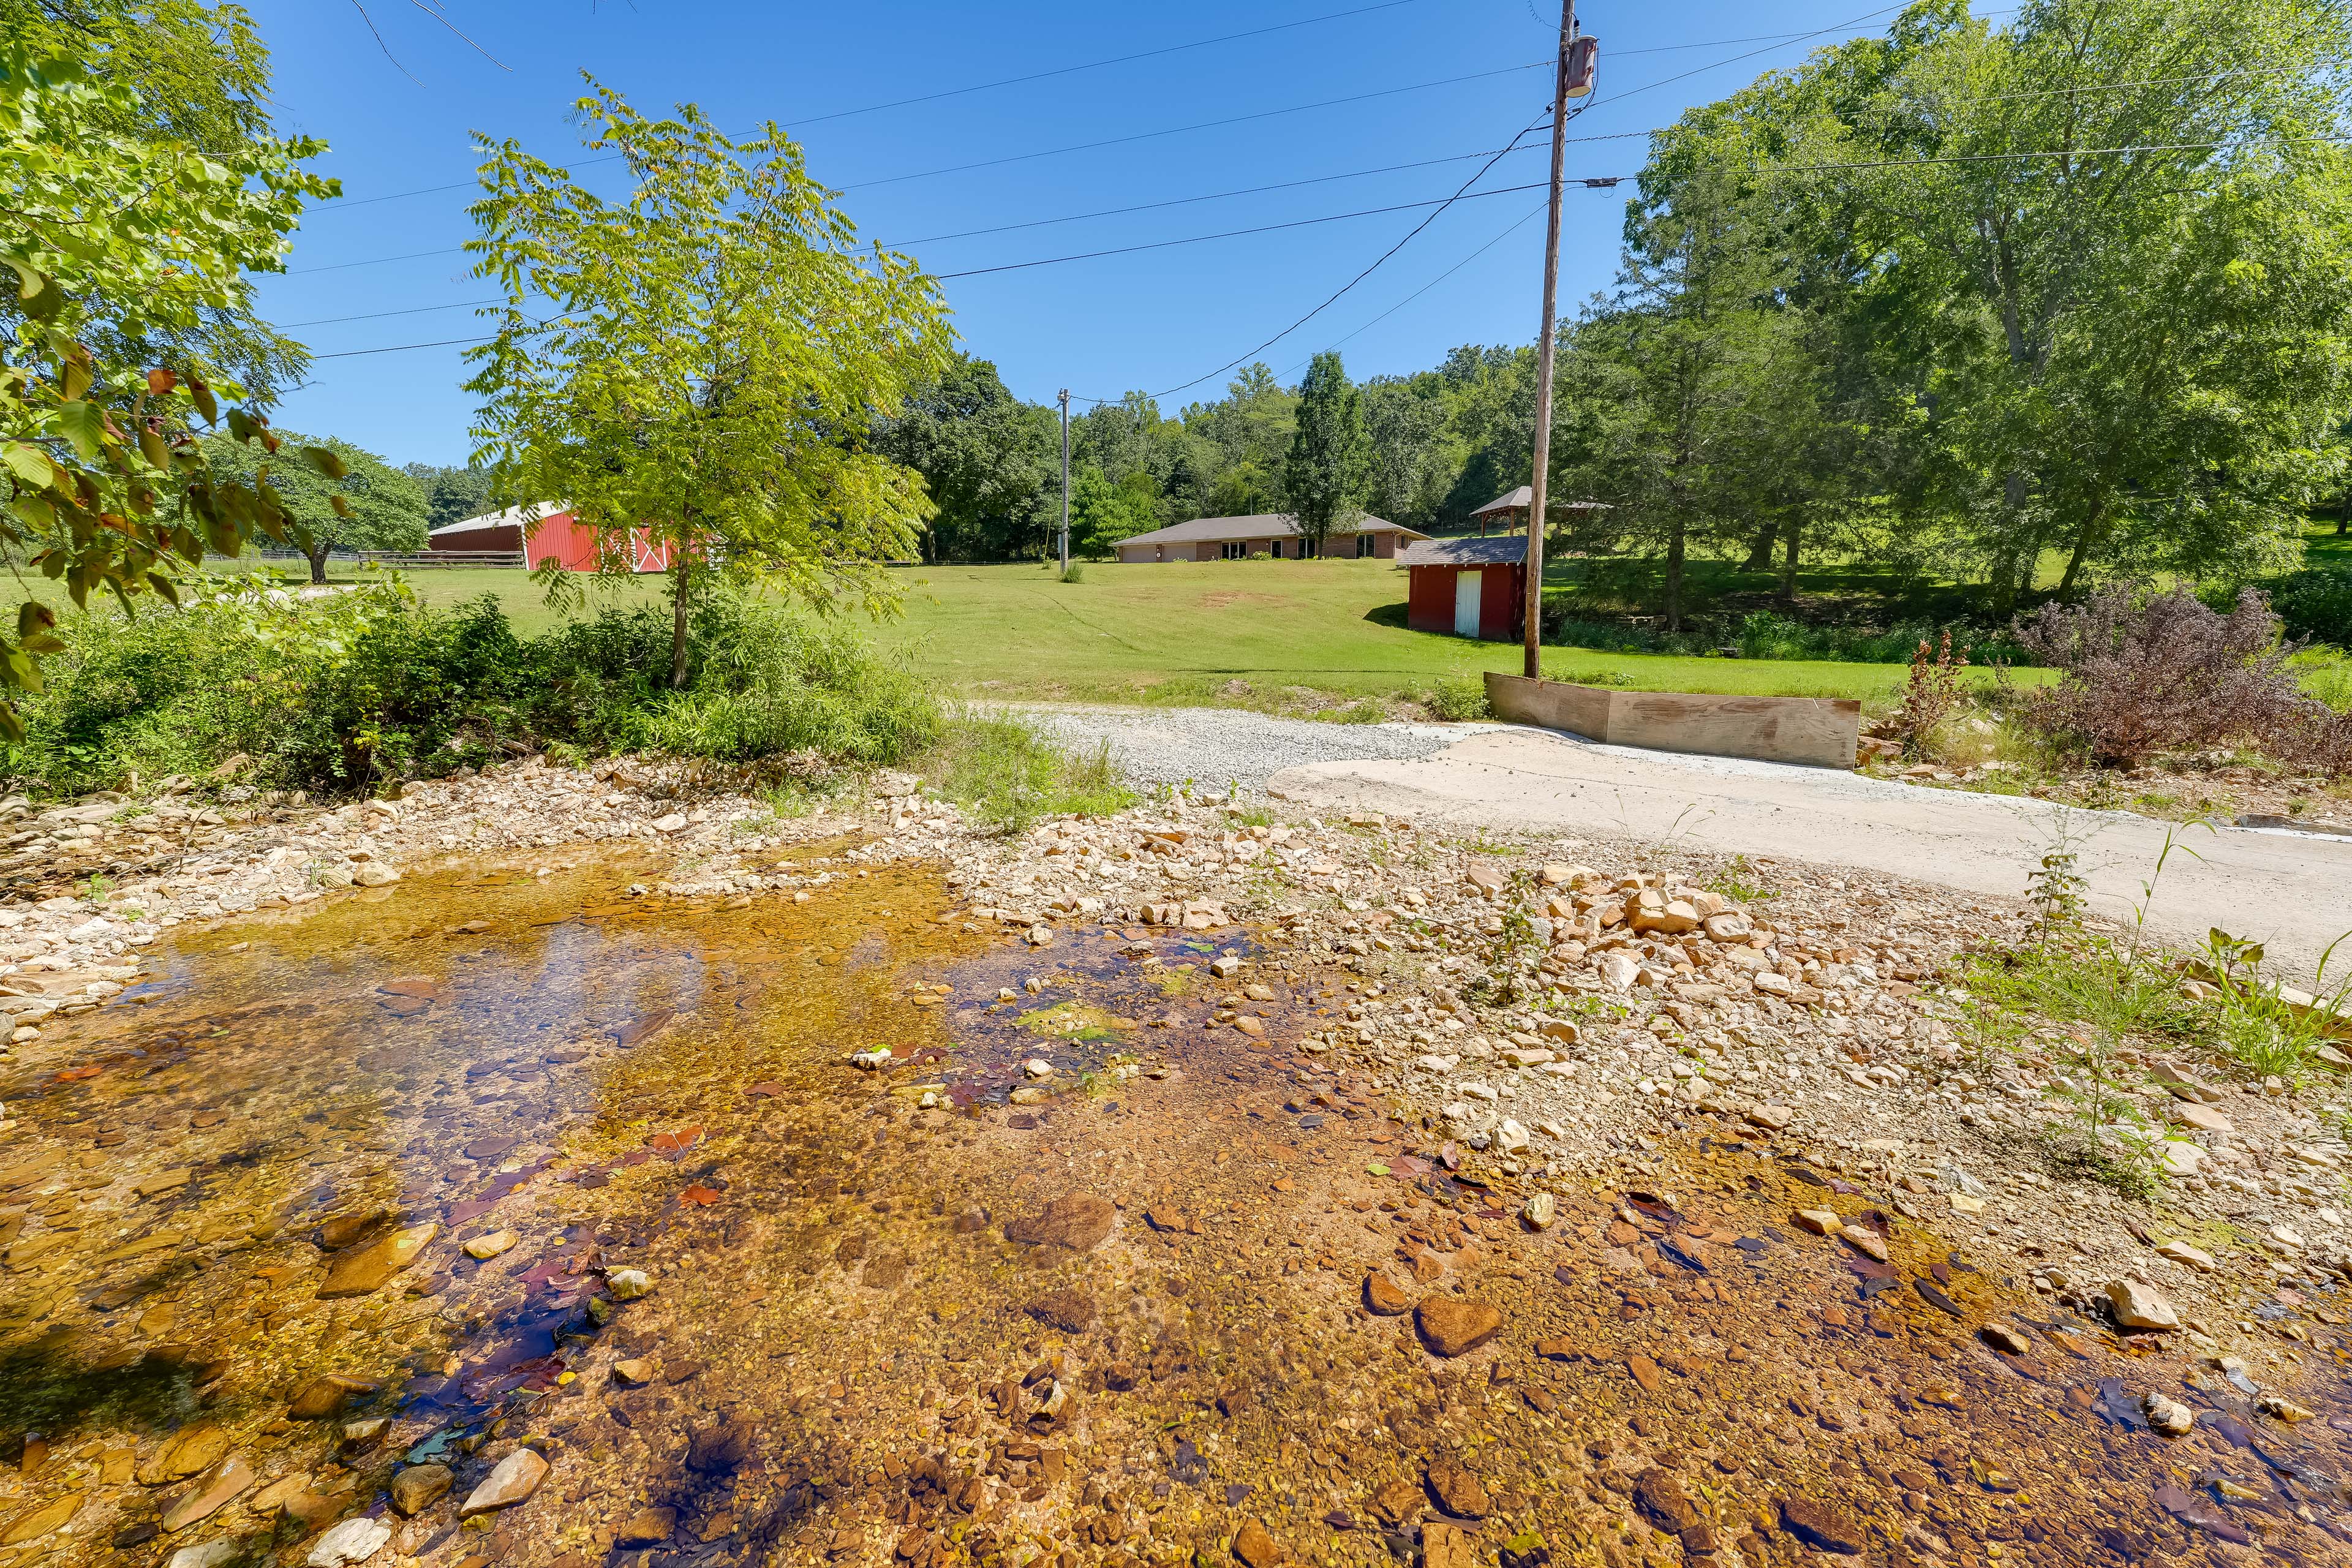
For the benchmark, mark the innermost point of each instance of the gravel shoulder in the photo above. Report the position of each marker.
(1216, 748)
(2291, 890)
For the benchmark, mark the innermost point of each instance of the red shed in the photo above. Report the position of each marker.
(557, 536)
(1471, 587)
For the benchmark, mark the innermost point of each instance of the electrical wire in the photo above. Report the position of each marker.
(1534, 212)
(341, 202)
(1238, 233)
(379, 315)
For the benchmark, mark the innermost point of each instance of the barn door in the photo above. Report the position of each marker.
(1465, 604)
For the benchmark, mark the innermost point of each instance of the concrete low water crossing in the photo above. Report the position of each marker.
(516, 1220)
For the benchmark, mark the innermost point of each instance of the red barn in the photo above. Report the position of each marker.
(557, 536)
(1470, 587)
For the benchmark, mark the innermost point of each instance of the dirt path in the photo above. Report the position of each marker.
(2293, 891)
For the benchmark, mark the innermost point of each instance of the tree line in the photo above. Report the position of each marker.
(2032, 306)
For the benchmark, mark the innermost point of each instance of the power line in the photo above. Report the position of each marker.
(342, 202)
(379, 315)
(1433, 217)
(1517, 223)
(963, 91)
(1188, 201)
(1237, 233)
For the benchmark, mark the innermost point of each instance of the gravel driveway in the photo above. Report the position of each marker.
(1213, 747)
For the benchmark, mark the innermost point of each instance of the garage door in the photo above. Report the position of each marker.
(1465, 604)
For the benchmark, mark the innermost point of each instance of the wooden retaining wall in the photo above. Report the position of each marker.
(1818, 731)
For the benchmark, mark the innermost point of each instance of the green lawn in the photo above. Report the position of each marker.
(1178, 632)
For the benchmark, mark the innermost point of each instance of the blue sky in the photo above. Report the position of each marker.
(1151, 319)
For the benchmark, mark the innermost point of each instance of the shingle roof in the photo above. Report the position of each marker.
(1525, 496)
(1265, 525)
(510, 518)
(1502, 549)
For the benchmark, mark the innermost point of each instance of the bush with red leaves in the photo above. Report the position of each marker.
(2148, 672)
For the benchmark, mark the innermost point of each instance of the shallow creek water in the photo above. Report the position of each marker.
(894, 1318)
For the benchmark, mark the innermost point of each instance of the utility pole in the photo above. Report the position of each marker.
(1065, 481)
(1574, 81)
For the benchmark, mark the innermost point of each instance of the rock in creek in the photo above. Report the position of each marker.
(365, 1269)
(1452, 1328)
(649, 1527)
(1457, 1491)
(354, 1540)
(1660, 1496)
(1078, 1221)
(323, 1398)
(212, 1491)
(190, 1449)
(1254, 1547)
(1821, 1526)
(419, 1487)
(517, 1477)
(2137, 1306)
(1069, 1310)
(1383, 1299)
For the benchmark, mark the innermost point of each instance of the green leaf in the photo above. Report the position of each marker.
(205, 404)
(84, 424)
(341, 504)
(28, 463)
(325, 460)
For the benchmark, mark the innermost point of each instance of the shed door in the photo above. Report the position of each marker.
(1465, 604)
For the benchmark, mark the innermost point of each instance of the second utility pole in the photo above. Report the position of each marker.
(1065, 481)
(1537, 500)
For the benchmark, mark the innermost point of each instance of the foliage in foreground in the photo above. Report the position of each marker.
(2156, 672)
(356, 688)
(1008, 775)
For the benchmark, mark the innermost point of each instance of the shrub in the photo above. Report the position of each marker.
(1457, 697)
(2316, 604)
(345, 691)
(1932, 694)
(2151, 672)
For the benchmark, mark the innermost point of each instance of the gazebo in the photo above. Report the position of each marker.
(1512, 510)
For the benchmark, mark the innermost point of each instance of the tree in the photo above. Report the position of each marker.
(453, 493)
(117, 237)
(1102, 513)
(1409, 463)
(1328, 455)
(382, 508)
(990, 462)
(718, 357)
(197, 76)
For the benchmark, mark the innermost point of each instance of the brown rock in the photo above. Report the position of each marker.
(34, 1523)
(1398, 1503)
(1457, 1491)
(1078, 1221)
(1383, 1298)
(190, 1449)
(518, 1475)
(1450, 1328)
(1070, 1311)
(2004, 1339)
(213, 1491)
(649, 1527)
(1658, 1494)
(365, 1269)
(1818, 1525)
(419, 1487)
(1254, 1547)
(1448, 1546)
(1645, 1372)
(323, 1398)
(722, 1446)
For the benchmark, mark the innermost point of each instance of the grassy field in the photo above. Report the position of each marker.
(1274, 633)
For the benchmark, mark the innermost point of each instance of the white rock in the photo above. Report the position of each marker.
(1540, 1211)
(211, 1554)
(1037, 1066)
(628, 1284)
(2137, 1306)
(673, 822)
(517, 1477)
(354, 1540)
(1511, 1137)
(873, 1060)
(2168, 1417)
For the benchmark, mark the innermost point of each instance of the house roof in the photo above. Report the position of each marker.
(1265, 525)
(1524, 497)
(1502, 549)
(513, 517)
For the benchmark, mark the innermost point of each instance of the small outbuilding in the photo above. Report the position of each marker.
(557, 535)
(1274, 534)
(1470, 587)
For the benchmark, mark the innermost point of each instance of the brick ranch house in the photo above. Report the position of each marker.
(1268, 534)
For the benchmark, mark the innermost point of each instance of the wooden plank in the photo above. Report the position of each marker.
(1814, 731)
